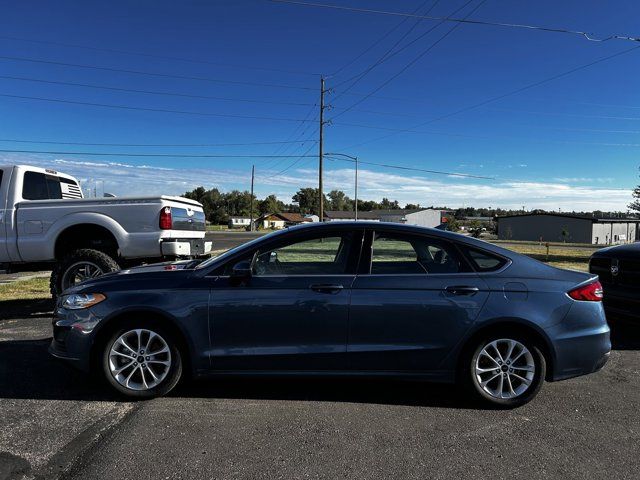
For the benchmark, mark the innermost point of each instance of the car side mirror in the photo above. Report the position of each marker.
(241, 272)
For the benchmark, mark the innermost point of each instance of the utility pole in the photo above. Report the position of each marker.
(253, 170)
(320, 153)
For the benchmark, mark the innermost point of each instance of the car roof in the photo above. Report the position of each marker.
(400, 227)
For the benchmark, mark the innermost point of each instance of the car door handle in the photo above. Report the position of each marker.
(462, 290)
(325, 288)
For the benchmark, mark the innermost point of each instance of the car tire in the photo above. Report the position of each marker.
(508, 377)
(148, 375)
(97, 260)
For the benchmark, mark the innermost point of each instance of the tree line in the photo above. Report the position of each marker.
(220, 206)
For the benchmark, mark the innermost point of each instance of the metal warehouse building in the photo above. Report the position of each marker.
(556, 227)
(424, 217)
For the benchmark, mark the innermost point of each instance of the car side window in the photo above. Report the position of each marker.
(395, 254)
(318, 256)
(483, 261)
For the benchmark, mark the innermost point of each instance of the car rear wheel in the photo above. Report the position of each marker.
(142, 361)
(505, 370)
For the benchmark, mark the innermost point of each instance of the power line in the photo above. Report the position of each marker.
(156, 110)
(184, 155)
(162, 57)
(154, 74)
(292, 135)
(304, 155)
(87, 144)
(386, 55)
(390, 53)
(586, 35)
(565, 114)
(413, 169)
(500, 97)
(374, 44)
(151, 92)
(412, 62)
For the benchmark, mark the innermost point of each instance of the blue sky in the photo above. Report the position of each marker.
(571, 143)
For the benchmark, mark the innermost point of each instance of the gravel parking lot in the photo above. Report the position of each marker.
(56, 423)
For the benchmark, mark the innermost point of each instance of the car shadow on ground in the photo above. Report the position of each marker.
(26, 309)
(28, 372)
(624, 335)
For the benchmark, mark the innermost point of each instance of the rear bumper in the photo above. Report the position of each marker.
(176, 247)
(581, 342)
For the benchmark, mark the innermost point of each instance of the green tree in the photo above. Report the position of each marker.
(338, 200)
(387, 204)
(635, 204)
(308, 200)
(270, 204)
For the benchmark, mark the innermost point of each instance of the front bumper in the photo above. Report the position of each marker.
(176, 247)
(73, 336)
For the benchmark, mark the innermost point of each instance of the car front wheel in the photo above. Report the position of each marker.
(142, 362)
(505, 371)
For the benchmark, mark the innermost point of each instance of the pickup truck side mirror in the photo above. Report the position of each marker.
(241, 272)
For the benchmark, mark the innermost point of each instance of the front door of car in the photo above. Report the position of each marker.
(411, 303)
(291, 311)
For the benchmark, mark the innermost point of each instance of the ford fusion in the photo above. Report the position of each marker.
(341, 298)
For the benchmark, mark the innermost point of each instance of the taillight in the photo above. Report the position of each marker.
(591, 292)
(165, 219)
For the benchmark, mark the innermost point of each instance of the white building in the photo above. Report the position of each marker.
(423, 217)
(239, 222)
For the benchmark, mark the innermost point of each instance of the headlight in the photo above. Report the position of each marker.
(78, 301)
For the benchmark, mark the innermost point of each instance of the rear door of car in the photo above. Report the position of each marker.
(413, 299)
(292, 313)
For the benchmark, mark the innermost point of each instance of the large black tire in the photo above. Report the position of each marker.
(172, 374)
(471, 382)
(94, 257)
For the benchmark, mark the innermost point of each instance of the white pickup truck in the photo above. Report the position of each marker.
(44, 219)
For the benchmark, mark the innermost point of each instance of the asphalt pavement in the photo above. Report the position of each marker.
(225, 239)
(58, 423)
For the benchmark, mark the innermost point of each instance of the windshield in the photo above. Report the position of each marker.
(232, 251)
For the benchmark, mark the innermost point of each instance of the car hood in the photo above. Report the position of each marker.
(629, 250)
(144, 273)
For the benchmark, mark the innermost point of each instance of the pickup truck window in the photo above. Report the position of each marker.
(38, 186)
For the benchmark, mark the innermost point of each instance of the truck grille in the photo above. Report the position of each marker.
(628, 273)
(601, 267)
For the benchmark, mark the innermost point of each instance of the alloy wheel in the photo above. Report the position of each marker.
(139, 359)
(79, 272)
(504, 368)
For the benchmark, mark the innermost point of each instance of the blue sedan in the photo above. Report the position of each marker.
(341, 298)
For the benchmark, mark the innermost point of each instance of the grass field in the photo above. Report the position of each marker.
(34, 288)
(559, 255)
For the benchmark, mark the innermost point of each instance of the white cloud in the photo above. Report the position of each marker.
(566, 193)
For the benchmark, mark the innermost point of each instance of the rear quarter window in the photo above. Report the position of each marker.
(39, 186)
(484, 261)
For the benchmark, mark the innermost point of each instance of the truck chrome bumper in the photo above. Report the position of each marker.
(185, 248)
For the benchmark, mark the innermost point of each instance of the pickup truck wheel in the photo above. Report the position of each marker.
(78, 266)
